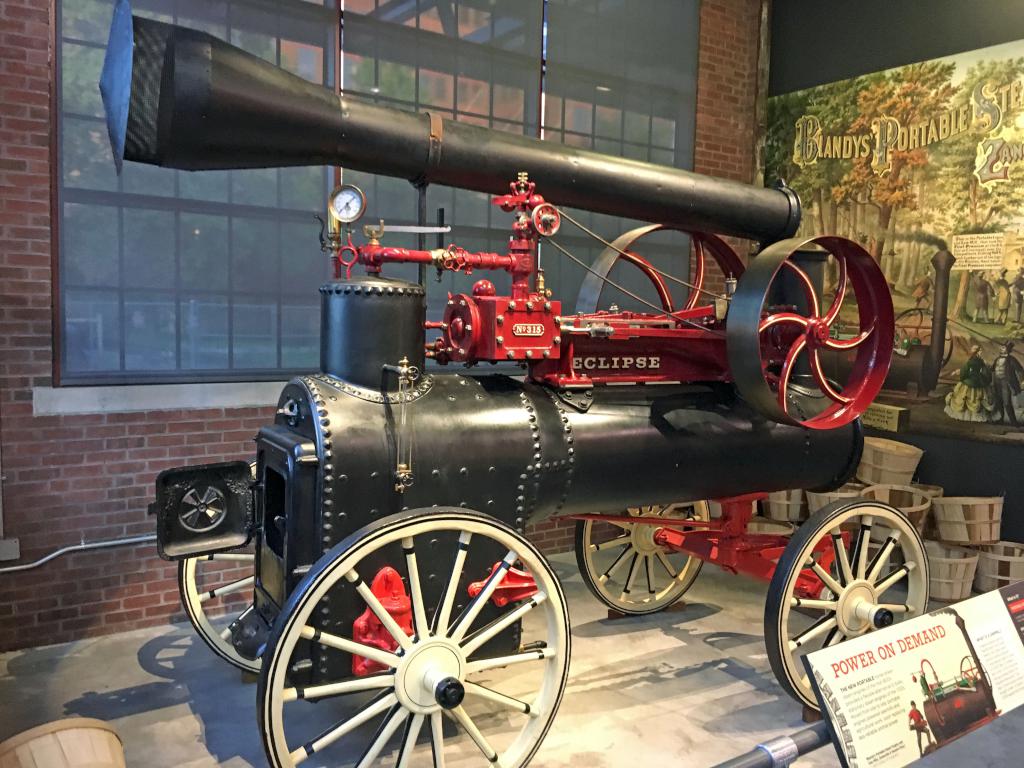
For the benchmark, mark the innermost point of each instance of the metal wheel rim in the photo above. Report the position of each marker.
(346, 557)
(194, 603)
(916, 582)
(641, 569)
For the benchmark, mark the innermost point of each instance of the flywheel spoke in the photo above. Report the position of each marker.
(778, 318)
(853, 343)
(837, 303)
(822, 380)
(787, 371)
(810, 294)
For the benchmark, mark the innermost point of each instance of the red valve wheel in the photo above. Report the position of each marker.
(546, 220)
(769, 338)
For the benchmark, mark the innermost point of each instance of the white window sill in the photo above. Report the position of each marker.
(59, 401)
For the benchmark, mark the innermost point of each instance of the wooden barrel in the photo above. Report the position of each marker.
(816, 501)
(950, 570)
(887, 461)
(786, 506)
(999, 565)
(78, 742)
(968, 519)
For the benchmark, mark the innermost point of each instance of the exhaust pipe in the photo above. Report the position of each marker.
(181, 98)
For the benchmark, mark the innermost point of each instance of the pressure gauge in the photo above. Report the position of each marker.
(347, 203)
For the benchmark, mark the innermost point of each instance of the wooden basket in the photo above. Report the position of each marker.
(906, 498)
(77, 742)
(888, 462)
(786, 506)
(931, 491)
(968, 519)
(951, 571)
(816, 501)
(999, 565)
(764, 525)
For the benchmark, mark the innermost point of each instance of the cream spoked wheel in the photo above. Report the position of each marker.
(627, 570)
(833, 583)
(208, 586)
(440, 697)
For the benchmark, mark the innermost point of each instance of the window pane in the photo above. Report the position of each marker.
(90, 245)
(149, 332)
(79, 76)
(204, 185)
(87, 160)
(255, 333)
(92, 331)
(204, 332)
(204, 251)
(255, 187)
(300, 336)
(149, 240)
(304, 267)
(87, 19)
(254, 255)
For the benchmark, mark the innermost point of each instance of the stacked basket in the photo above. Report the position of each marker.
(999, 565)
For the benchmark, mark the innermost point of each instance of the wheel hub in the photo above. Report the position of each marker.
(430, 677)
(858, 611)
(642, 538)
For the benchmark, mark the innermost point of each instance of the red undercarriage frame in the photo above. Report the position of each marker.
(727, 543)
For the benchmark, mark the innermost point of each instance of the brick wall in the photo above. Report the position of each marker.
(69, 478)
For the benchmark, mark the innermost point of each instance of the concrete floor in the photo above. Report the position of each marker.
(686, 688)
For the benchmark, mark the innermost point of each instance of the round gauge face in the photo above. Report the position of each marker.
(347, 203)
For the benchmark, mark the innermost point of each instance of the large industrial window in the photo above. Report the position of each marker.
(168, 275)
(175, 276)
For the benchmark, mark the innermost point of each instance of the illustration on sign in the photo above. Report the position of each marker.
(924, 166)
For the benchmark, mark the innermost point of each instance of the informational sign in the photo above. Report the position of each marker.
(980, 251)
(897, 694)
(888, 418)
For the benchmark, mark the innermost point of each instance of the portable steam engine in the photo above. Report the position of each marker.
(380, 528)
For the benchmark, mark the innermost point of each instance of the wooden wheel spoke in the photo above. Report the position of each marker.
(881, 557)
(444, 612)
(462, 718)
(412, 732)
(474, 608)
(349, 646)
(382, 613)
(335, 732)
(839, 548)
(666, 564)
(500, 624)
(631, 577)
(482, 665)
(813, 605)
(357, 685)
(231, 557)
(392, 721)
(860, 547)
(474, 689)
(437, 739)
(820, 627)
(419, 613)
(617, 565)
(227, 589)
(826, 579)
(620, 541)
(649, 568)
(893, 579)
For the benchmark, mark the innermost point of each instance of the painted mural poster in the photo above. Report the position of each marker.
(924, 166)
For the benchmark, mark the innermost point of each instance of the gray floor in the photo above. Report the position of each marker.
(687, 688)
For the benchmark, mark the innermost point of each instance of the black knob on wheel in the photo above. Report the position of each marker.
(449, 693)
(883, 618)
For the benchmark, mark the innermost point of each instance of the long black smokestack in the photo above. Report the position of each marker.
(181, 98)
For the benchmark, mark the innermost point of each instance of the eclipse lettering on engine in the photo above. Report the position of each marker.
(650, 362)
